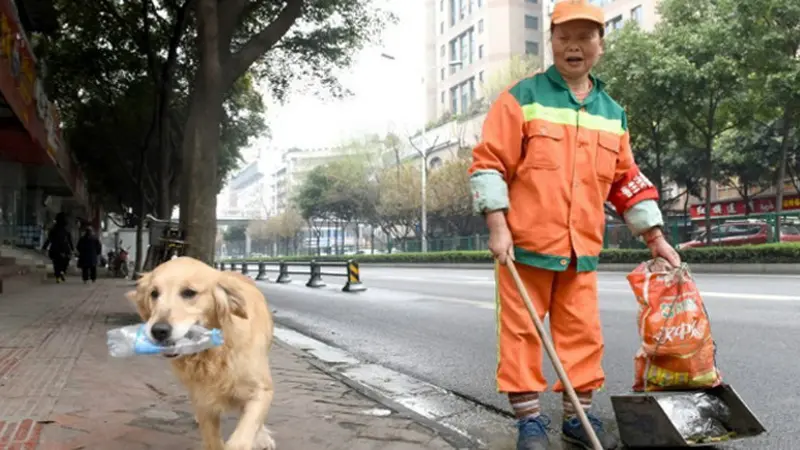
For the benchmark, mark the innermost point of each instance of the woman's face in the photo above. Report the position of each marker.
(577, 47)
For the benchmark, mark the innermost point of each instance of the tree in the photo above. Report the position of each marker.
(292, 37)
(747, 160)
(450, 197)
(702, 70)
(399, 201)
(111, 99)
(633, 67)
(772, 56)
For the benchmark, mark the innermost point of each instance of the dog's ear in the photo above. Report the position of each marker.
(140, 297)
(228, 297)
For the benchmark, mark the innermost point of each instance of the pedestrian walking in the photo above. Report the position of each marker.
(89, 251)
(555, 148)
(59, 247)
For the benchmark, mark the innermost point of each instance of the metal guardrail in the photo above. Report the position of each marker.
(285, 270)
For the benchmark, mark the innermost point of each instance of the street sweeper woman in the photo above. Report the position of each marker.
(555, 148)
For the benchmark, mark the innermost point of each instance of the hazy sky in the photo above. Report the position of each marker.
(387, 94)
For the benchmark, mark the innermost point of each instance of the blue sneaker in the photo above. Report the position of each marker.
(572, 431)
(533, 434)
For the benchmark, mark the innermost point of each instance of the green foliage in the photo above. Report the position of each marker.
(108, 95)
(752, 254)
(235, 234)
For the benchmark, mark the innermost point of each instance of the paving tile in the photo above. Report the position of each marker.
(59, 389)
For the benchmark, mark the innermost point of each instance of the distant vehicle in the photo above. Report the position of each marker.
(742, 233)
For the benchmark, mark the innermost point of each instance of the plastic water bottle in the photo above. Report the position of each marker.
(133, 340)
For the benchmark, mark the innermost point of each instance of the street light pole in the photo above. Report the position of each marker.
(424, 182)
(424, 189)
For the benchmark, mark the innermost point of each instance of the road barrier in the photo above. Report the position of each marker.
(316, 270)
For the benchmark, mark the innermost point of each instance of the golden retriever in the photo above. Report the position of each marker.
(235, 376)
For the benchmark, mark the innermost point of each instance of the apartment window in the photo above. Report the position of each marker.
(636, 14)
(441, 97)
(531, 48)
(471, 34)
(441, 28)
(480, 51)
(462, 49)
(442, 51)
(462, 9)
(532, 1)
(480, 77)
(453, 11)
(453, 55)
(480, 3)
(480, 26)
(441, 73)
(441, 5)
(462, 96)
(614, 24)
(531, 22)
(463, 43)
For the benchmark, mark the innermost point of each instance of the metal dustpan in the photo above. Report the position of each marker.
(645, 421)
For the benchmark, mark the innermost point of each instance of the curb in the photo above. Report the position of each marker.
(462, 423)
(745, 268)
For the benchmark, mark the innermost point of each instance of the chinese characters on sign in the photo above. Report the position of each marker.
(737, 207)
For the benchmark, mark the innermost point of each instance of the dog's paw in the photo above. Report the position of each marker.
(264, 440)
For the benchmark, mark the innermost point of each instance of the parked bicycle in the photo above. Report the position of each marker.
(167, 241)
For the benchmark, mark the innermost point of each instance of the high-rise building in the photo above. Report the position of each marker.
(617, 12)
(467, 40)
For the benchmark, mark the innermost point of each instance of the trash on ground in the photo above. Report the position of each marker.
(699, 417)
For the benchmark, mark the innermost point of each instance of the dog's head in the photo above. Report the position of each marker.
(184, 292)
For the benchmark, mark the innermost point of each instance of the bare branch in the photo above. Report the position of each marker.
(262, 42)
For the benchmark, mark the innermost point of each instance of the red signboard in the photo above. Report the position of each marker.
(737, 207)
(18, 73)
(25, 94)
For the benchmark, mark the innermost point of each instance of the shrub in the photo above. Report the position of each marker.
(767, 253)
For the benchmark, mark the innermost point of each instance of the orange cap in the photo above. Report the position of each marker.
(567, 10)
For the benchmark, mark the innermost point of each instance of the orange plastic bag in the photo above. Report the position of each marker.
(678, 351)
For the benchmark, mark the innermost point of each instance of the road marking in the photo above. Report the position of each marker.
(728, 295)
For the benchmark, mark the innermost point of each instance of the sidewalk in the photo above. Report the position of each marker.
(59, 389)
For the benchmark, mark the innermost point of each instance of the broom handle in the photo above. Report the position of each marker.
(551, 352)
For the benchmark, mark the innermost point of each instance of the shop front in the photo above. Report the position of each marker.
(38, 175)
(737, 208)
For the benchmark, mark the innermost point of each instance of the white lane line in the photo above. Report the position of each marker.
(727, 295)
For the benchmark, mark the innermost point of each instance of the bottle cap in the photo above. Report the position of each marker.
(216, 337)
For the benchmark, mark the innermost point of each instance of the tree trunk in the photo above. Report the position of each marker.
(785, 132)
(201, 143)
(709, 175)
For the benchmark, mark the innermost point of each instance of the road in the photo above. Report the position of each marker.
(438, 325)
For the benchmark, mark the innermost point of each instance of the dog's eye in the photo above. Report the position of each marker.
(154, 294)
(188, 293)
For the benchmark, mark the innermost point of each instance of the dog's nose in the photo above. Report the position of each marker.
(161, 331)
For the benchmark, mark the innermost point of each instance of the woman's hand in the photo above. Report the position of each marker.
(501, 243)
(659, 247)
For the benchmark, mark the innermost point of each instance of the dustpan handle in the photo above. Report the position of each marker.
(551, 352)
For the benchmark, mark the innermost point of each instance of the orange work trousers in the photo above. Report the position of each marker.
(570, 297)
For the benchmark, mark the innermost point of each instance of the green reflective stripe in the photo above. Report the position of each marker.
(563, 116)
(548, 262)
(587, 263)
(567, 116)
(600, 123)
(554, 262)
